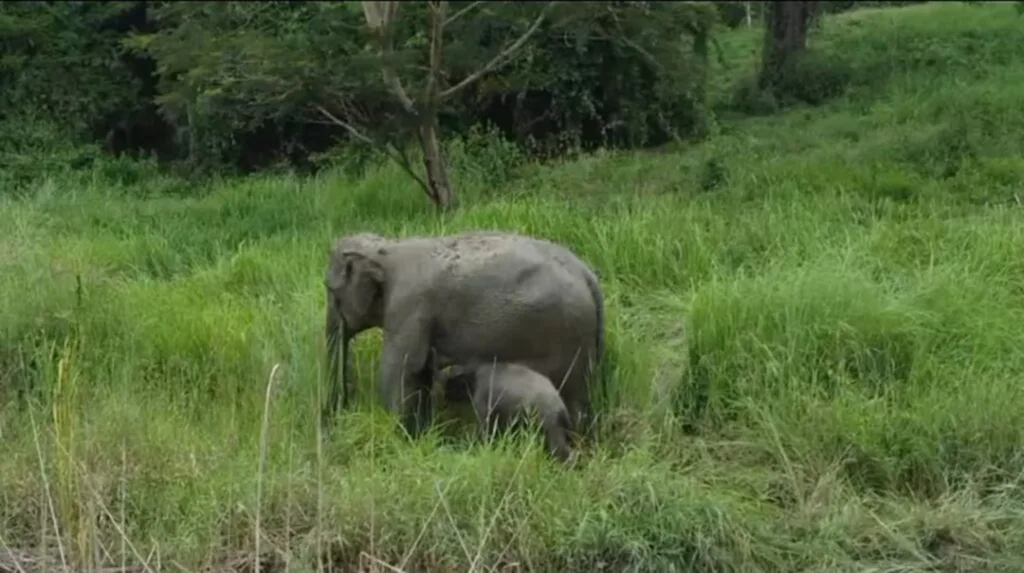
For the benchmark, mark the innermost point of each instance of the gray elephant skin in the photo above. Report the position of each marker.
(504, 395)
(473, 297)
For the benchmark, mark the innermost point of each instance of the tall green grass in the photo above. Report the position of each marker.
(813, 325)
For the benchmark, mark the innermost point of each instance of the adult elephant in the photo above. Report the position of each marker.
(473, 297)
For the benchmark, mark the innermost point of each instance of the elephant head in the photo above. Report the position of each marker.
(458, 383)
(354, 284)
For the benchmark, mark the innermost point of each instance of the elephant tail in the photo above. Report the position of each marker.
(595, 291)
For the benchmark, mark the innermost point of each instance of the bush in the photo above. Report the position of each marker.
(484, 159)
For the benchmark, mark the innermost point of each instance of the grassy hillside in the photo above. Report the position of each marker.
(844, 280)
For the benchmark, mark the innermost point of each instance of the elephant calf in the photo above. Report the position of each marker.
(502, 395)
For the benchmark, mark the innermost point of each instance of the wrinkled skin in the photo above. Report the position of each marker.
(503, 394)
(473, 297)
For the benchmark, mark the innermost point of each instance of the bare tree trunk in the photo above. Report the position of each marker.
(193, 151)
(440, 189)
(380, 17)
(441, 192)
(785, 39)
(746, 10)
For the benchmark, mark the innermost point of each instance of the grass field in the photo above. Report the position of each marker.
(845, 280)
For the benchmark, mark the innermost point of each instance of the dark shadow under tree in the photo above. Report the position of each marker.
(785, 41)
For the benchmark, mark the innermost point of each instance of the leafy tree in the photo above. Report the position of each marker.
(622, 74)
(381, 17)
(228, 69)
(61, 59)
(387, 75)
(381, 77)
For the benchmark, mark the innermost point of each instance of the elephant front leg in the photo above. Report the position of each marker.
(406, 375)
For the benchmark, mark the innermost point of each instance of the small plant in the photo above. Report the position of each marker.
(484, 159)
(712, 174)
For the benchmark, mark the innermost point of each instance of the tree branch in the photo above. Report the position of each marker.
(396, 88)
(380, 16)
(392, 151)
(436, 15)
(402, 158)
(347, 126)
(502, 57)
(461, 13)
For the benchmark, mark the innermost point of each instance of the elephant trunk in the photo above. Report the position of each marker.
(336, 334)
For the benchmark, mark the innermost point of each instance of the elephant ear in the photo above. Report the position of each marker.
(349, 266)
(334, 277)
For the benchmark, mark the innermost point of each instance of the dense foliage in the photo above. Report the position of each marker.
(234, 83)
(237, 84)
